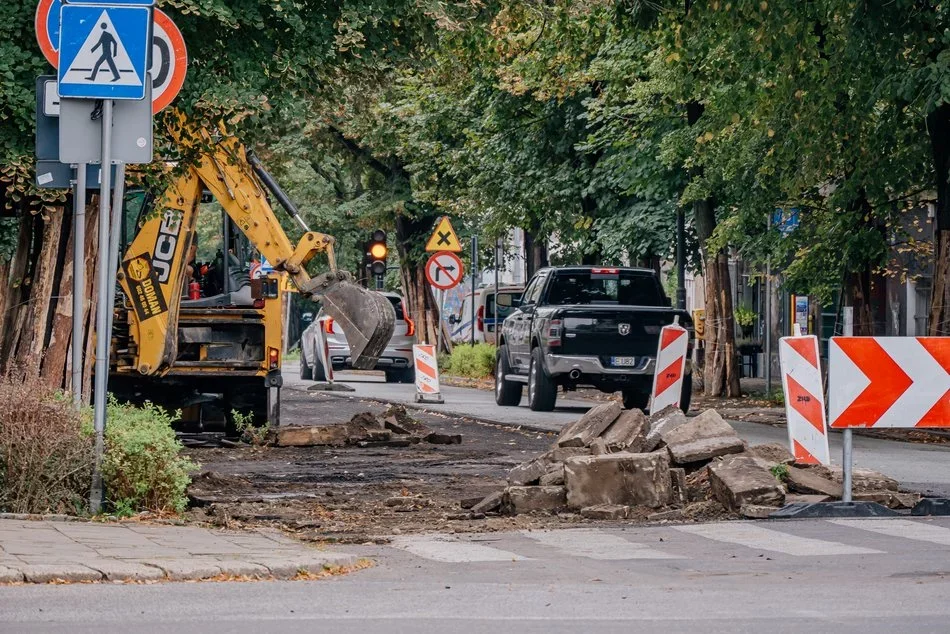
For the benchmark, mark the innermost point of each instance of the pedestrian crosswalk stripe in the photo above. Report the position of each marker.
(449, 549)
(596, 544)
(907, 529)
(752, 536)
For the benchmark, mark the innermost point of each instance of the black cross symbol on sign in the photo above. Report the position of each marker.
(444, 237)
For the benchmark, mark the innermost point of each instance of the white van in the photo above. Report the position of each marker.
(460, 324)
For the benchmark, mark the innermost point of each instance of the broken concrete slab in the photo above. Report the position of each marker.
(890, 499)
(467, 503)
(738, 480)
(672, 515)
(606, 512)
(398, 421)
(800, 498)
(560, 454)
(865, 479)
(553, 477)
(808, 481)
(584, 430)
(491, 502)
(773, 453)
(680, 489)
(756, 511)
(436, 438)
(528, 499)
(702, 438)
(666, 420)
(627, 432)
(598, 447)
(621, 478)
(312, 435)
(527, 472)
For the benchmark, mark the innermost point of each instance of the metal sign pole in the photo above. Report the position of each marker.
(474, 268)
(79, 278)
(438, 335)
(117, 204)
(102, 309)
(497, 264)
(846, 464)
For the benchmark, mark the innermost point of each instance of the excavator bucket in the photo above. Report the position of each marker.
(367, 319)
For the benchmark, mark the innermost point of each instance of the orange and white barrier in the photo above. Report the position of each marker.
(323, 350)
(889, 382)
(670, 366)
(804, 399)
(427, 374)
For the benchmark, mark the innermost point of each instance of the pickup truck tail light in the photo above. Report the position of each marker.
(480, 319)
(553, 334)
(328, 325)
(411, 327)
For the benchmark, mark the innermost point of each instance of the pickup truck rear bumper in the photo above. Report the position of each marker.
(563, 364)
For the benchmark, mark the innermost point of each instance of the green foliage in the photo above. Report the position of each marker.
(45, 454)
(476, 361)
(744, 316)
(143, 468)
(250, 433)
(780, 471)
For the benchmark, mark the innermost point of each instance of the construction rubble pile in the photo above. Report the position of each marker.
(393, 428)
(617, 464)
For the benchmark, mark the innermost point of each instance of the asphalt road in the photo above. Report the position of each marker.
(919, 467)
(826, 576)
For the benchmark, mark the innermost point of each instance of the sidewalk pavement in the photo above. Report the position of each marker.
(44, 551)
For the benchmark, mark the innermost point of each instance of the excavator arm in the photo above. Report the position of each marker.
(153, 269)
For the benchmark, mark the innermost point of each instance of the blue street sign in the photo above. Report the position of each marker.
(103, 51)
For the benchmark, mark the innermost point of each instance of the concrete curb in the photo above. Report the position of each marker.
(192, 569)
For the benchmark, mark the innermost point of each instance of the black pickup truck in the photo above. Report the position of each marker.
(585, 325)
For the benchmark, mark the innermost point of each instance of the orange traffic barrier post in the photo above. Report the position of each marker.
(427, 374)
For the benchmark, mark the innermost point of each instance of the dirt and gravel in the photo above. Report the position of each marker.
(354, 494)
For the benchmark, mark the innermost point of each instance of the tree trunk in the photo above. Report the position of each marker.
(938, 127)
(20, 284)
(411, 234)
(859, 298)
(56, 362)
(721, 372)
(535, 254)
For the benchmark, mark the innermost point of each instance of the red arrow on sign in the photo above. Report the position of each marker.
(888, 382)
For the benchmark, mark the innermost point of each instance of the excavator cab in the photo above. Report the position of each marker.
(195, 320)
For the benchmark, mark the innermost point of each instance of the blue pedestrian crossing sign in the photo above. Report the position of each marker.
(103, 51)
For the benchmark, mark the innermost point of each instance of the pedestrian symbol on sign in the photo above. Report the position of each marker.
(109, 48)
(104, 51)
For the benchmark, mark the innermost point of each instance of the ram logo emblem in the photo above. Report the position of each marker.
(623, 329)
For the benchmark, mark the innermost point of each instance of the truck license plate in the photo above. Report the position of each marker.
(623, 361)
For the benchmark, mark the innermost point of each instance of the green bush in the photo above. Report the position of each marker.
(143, 469)
(472, 361)
(46, 454)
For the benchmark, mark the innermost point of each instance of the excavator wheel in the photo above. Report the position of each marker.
(366, 317)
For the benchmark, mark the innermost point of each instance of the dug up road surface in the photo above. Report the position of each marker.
(340, 494)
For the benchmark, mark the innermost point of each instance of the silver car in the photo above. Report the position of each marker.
(396, 360)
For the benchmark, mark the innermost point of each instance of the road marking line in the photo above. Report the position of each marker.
(907, 529)
(760, 538)
(449, 549)
(595, 544)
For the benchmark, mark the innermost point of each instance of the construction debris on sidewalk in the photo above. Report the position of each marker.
(617, 464)
(393, 428)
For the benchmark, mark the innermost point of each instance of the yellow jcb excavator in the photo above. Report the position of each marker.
(188, 332)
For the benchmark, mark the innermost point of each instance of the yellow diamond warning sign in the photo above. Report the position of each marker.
(444, 238)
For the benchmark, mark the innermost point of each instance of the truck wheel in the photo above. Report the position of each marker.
(507, 393)
(306, 371)
(542, 391)
(636, 398)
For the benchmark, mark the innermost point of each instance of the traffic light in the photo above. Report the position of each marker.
(376, 252)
